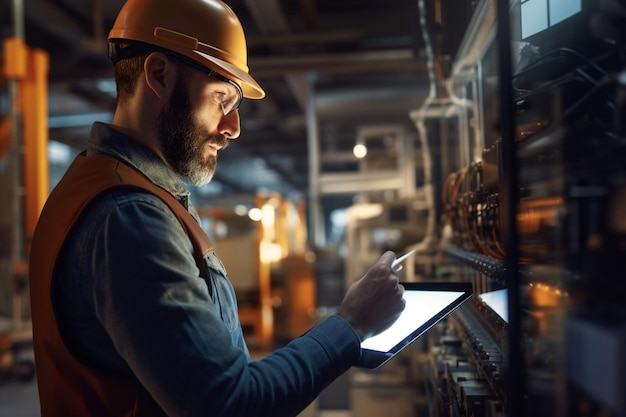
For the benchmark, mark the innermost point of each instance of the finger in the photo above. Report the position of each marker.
(401, 289)
(397, 289)
(402, 305)
(400, 295)
(387, 258)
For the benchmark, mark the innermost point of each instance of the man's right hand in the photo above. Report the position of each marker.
(374, 302)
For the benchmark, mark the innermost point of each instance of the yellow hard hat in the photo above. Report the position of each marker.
(205, 31)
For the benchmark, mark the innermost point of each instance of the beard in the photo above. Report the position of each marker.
(183, 141)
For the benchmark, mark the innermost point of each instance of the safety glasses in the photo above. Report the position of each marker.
(228, 101)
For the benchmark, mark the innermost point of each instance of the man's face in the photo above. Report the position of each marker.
(184, 141)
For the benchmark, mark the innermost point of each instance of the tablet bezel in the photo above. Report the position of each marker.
(372, 359)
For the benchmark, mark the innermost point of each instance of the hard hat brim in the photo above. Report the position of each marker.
(250, 88)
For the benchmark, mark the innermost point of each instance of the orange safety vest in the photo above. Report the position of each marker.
(68, 387)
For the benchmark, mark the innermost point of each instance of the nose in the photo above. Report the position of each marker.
(229, 125)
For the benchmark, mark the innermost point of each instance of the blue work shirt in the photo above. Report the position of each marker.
(130, 299)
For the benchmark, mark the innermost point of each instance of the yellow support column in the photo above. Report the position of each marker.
(24, 138)
(34, 94)
(14, 58)
(29, 68)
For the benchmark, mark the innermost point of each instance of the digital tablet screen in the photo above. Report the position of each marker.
(426, 304)
(497, 300)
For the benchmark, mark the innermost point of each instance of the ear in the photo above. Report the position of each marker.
(160, 74)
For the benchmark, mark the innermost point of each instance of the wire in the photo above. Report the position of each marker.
(608, 80)
(552, 56)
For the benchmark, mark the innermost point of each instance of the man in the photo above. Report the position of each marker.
(133, 314)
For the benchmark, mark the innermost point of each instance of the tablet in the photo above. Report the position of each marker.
(498, 301)
(426, 304)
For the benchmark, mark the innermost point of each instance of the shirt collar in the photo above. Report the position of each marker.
(104, 139)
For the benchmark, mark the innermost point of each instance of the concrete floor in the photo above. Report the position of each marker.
(19, 399)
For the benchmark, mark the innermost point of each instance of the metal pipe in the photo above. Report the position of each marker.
(17, 224)
(313, 143)
(18, 18)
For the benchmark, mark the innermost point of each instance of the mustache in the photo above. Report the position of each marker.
(220, 140)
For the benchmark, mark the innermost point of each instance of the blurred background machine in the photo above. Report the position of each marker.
(521, 146)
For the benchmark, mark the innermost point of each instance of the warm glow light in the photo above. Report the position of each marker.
(268, 216)
(255, 214)
(270, 252)
(240, 210)
(359, 150)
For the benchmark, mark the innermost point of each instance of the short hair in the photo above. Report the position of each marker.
(127, 73)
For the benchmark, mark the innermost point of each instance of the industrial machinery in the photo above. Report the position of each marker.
(533, 197)
(525, 146)
(274, 280)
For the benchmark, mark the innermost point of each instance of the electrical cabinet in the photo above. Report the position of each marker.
(533, 213)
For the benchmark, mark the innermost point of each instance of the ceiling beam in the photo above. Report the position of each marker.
(395, 61)
(308, 38)
(402, 60)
